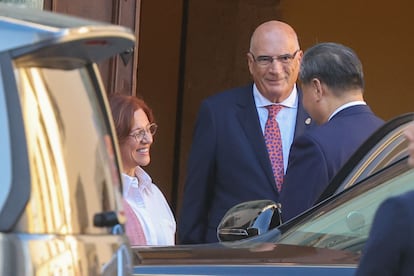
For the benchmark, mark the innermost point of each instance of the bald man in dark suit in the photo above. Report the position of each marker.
(229, 162)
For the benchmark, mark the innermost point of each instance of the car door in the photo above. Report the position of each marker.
(343, 221)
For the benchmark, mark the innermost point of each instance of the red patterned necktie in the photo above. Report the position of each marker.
(274, 144)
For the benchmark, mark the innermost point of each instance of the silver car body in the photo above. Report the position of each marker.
(60, 205)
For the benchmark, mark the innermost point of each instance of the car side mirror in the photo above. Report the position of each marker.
(249, 219)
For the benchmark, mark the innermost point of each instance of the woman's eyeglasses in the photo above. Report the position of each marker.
(140, 133)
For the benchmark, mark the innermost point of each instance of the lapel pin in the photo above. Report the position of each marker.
(308, 121)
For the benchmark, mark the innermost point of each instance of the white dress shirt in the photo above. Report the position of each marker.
(151, 207)
(286, 118)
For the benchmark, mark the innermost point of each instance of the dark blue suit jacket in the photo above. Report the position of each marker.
(228, 163)
(390, 246)
(316, 156)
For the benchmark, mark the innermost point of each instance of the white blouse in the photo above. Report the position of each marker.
(151, 208)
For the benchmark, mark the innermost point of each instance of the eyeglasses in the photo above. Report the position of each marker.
(140, 134)
(267, 60)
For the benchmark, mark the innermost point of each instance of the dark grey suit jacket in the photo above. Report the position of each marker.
(228, 163)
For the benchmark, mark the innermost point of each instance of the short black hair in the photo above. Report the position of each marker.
(334, 64)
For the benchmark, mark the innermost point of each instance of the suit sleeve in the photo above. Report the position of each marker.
(305, 178)
(384, 248)
(199, 186)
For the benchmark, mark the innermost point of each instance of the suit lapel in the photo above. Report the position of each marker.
(303, 120)
(249, 122)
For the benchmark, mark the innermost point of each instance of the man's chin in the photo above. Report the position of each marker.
(279, 95)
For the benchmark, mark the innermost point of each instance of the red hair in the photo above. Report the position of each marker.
(123, 108)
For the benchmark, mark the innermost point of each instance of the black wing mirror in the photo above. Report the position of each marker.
(249, 219)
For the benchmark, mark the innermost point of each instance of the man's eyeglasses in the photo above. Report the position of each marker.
(267, 60)
(140, 134)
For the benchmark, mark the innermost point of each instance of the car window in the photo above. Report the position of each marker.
(72, 166)
(344, 221)
(386, 146)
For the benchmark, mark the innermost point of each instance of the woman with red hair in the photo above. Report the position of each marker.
(135, 127)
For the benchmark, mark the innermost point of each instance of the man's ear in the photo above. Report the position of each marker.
(250, 62)
(318, 89)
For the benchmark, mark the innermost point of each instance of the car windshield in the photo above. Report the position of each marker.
(345, 221)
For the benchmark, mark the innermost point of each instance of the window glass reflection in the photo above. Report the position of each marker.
(348, 226)
(69, 150)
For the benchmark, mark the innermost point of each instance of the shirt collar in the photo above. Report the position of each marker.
(342, 107)
(144, 180)
(261, 101)
(141, 180)
(127, 183)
